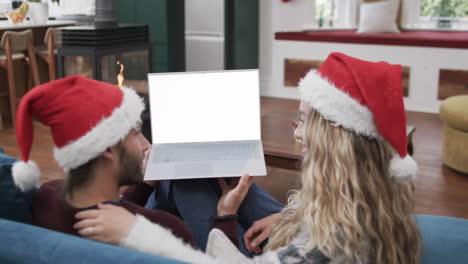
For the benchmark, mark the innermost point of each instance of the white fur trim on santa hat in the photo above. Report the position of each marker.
(337, 106)
(26, 175)
(108, 132)
(403, 168)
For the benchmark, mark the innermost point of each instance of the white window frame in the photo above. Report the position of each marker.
(345, 14)
(412, 19)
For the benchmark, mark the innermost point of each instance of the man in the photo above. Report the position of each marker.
(98, 142)
(96, 130)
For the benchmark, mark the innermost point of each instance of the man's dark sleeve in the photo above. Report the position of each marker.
(229, 228)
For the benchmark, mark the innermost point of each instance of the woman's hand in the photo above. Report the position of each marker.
(233, 194)
(259, 232)
(108, 224)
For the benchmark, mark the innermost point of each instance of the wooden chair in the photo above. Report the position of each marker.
(48, 52)
(17, 46)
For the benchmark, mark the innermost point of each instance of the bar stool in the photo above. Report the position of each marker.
(17, 46)
(48, 52)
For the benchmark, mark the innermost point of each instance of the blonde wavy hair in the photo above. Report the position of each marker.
(349, 204)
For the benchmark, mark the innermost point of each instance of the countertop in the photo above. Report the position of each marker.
(6, 25)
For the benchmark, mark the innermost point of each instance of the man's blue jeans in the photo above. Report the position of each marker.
(195, 201)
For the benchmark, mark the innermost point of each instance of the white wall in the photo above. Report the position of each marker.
(292, 15)
(424, 64)
(73, 7)
(5, 5)
(277, 16)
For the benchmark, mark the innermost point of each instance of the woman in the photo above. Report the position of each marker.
(356, 202)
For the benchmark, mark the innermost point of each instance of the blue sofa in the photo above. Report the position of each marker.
(21, 242)
(445, 239)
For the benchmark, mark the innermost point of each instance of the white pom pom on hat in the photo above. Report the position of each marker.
(26, 175)
(403, 168)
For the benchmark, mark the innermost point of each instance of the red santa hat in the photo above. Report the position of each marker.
(85, 117)
(363, 97)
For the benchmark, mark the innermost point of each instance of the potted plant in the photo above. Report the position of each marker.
(38, 11)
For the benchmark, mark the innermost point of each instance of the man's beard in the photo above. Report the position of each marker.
(130, 169)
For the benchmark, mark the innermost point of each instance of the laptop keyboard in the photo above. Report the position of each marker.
(206, 151)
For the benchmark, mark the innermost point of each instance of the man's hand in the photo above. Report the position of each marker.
(259, 232)
(108, 224)
(233, 194)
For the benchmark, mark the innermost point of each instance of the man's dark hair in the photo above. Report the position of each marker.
(82, 175)
(78, 177)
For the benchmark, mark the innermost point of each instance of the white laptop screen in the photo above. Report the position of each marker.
(204, 106)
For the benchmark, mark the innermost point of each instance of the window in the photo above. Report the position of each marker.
(324, 12)
(443, 14)
(54, 8)
(452, 9)
(342, 14)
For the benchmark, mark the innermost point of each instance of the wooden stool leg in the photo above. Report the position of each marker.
(33, 62)
(51, 58)
(11, 82)
(12, 90)
(28, 76)
(51, 62)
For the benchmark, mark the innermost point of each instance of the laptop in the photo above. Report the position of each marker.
(205, 125)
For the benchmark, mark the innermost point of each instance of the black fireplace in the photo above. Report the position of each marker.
(96, 52)
(102, 50)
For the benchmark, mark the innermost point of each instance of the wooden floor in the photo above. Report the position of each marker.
(439, 190)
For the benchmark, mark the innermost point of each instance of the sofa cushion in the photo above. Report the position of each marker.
(14, 204)
(445, 239)
(454, 112)
(31, 244)
(378, 17)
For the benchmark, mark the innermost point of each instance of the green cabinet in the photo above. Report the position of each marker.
(167, 25)
(165, 19)
(242, 17)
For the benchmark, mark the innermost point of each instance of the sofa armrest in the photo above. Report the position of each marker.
(30, 244)
(445, 239)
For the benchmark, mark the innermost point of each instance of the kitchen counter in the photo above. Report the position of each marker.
(6, 25)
